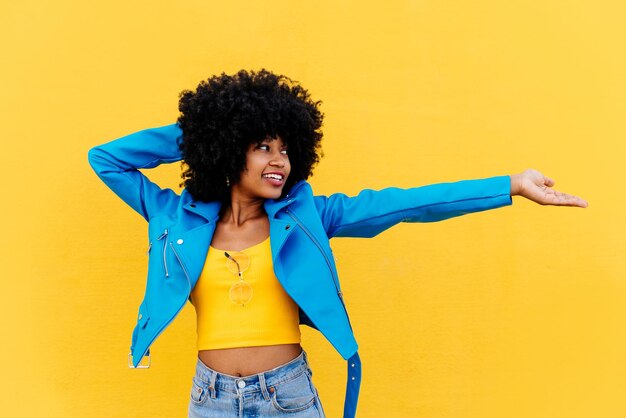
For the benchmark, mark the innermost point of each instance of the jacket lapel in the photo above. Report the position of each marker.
(279, 231)
(196, 238)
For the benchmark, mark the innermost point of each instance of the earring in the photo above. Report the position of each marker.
(227, 182)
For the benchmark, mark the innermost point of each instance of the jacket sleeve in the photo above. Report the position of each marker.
(117, 163)
(371, 212)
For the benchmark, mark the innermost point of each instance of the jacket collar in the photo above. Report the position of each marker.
(272, 206)
(208, 210)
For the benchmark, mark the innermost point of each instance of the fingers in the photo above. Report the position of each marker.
(577, 201)
(557, 198)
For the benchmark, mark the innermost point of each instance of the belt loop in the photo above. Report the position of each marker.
(212, 383)
(306, 362)
(264, 391)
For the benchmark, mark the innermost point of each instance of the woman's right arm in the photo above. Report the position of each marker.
(117, 163)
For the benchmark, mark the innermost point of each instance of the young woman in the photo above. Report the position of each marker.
(247, 241)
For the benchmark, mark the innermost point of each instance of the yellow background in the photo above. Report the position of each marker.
(515, 312)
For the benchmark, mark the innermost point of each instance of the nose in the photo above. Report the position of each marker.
(277, 162)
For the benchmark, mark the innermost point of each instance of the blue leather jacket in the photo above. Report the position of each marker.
(301, 224)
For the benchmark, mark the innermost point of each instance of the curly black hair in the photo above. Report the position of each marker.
(228, 113)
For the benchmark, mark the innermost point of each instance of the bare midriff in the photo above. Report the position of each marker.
(246, 361)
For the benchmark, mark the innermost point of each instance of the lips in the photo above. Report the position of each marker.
(274, 178)
(277, 176)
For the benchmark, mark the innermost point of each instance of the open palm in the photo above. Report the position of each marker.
(534, 186)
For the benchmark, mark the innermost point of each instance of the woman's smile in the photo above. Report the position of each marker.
(275, 178)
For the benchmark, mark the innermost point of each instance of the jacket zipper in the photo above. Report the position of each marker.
(164, 235)
(179, 309)
(149, 247)
(335, 281)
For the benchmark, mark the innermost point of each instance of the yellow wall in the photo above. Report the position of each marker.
(516, 312)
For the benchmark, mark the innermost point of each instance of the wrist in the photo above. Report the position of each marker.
(515, 184)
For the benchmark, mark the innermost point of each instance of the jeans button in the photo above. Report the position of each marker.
(241, 384)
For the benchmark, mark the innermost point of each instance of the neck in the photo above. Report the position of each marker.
(242, 209)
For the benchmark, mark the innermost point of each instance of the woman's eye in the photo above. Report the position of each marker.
(283, 152)
(264, 147)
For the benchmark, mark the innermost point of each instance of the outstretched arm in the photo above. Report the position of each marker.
(373, 211)
(534, 186)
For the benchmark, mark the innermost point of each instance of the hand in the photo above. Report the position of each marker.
(534, 186)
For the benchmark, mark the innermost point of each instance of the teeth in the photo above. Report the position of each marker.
(273, 176)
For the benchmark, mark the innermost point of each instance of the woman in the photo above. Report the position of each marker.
(247, 241)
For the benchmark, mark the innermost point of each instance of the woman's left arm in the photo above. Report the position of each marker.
(373, 211)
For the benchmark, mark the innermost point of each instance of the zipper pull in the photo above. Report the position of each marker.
(149, 247)
(164, 246)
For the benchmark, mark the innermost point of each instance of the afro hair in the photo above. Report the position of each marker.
(228, 113)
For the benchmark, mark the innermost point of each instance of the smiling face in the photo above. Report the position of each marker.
(267, 169)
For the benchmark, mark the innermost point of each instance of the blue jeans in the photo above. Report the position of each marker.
(286, 390)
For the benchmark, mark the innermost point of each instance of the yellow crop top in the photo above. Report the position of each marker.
(269, 318)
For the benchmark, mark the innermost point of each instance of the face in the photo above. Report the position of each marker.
(267, 169)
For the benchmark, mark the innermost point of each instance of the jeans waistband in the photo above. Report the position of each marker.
(217, 381)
